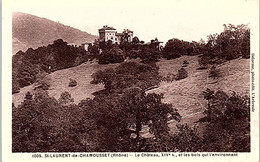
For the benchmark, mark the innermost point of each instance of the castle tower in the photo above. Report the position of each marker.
(107, 33)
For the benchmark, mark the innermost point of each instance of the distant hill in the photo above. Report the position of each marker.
(32, 31)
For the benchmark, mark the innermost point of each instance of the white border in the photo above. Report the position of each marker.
(8, 156)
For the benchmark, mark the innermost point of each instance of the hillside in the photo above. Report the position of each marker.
(185, 95)
(32, 31)
(60, 81)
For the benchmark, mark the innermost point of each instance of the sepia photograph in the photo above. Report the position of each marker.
(133, 77)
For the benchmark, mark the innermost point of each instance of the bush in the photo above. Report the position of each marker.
(72, 83)
(182, 73)
(169, 78)
(214, 72)
(203, 62)
(43, 82)
(185, 63)
(65, 98)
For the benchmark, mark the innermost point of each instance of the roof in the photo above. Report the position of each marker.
(106, 28)
(119, 34)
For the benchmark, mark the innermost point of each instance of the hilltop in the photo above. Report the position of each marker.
(30, 31)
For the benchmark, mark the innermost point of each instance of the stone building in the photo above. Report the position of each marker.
(109, 33)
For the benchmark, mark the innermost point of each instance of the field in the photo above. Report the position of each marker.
(185, 95)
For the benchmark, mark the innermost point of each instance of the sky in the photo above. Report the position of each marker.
(165, 19)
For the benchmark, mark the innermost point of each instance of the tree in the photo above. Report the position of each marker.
(41, 124)
(117, 120)
(27, 65)
(230, 44)
(104, 77)
(113, 55)
(136, 40)
(127, 74)
(173, 49)
(32, 124)
(227, 116)
(15, 84)
(186, 139)
(245, 46)
(149, 55)
(93, 49)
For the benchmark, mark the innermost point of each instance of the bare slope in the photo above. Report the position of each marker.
(32, 31)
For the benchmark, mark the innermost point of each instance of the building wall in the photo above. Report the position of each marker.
(106, 35)
(101, 35)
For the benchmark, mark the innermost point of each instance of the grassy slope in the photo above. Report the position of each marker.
(60, 81)
(185, 95)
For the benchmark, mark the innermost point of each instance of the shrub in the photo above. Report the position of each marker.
(203, 62)
(185, 62)
(182, 73)
(43, 82)
(72, 83)
(169, 78)
(65, 98)
(214, 72)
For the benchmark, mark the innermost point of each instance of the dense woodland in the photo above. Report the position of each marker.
(114, 122)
